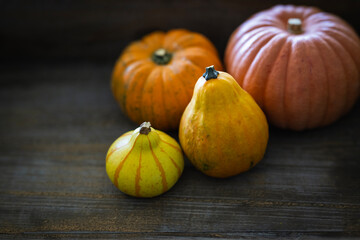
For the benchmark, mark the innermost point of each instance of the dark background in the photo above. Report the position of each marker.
(98, 30)
(58, 119)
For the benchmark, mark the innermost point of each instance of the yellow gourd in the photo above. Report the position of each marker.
(223, 131)
(144, 162)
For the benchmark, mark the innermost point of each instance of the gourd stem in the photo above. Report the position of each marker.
(295, 26)
(210, 73)
(161, 56)
(145, 128)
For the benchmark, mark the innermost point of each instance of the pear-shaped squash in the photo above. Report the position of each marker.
(144, 162)
(223, 132)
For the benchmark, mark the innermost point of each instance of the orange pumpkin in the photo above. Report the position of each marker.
(154, 78)
(300, 64)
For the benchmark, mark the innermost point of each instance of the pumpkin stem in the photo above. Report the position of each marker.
(161, 56)
(210, 73)
(145, 128)
(295, 25)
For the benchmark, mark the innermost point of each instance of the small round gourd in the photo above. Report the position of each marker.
(301, 65)
(223, 132)
(154, 78)
(144, 162)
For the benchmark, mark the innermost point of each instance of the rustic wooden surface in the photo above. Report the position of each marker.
(57, 122)
(58, 118)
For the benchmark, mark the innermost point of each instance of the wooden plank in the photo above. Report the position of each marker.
(57, 122)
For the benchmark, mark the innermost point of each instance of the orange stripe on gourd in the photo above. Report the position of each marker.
(173, 161)
(118, 169)
(138, 177)
(115, 149)
(173, 146)
(161, 169)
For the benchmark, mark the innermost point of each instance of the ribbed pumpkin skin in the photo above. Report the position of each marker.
(156, 93)
(302, 80)
(223, 132)
(144, 165)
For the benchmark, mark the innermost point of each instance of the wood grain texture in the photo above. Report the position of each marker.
(57, 122)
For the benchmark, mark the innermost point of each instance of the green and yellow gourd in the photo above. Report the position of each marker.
(144, 162)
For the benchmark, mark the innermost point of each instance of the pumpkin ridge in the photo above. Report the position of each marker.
(182, 41)
(346, 103)
(324, 117)
(229, 55)
(297, 88)
(192, 64)
(133, 57)
(171, 69)
(121, 164)
(171, 39)
(264, 45)
(166, 92)
(333, 32)
(187, 59)
(127, 76)
(233, 40)
(336, 42)
(234, 68)
(274, 42)
(161, 91)
(132, 102)
(265, 92)
(321, 111)
(352, 42)
(356, 61)
(349, 35)
(348, 31)
(161, 169)
(144, 114)
(174, 109)
(124, 80)
(257, 40)
(159, 109)
(195, 48)
(309, 79)
(341, 26)
(308, 12)
(285, 84)
(238, 58)
(153, 40)
(250, 26)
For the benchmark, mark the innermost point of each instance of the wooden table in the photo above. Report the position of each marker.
(58, 118)
(57, 122)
